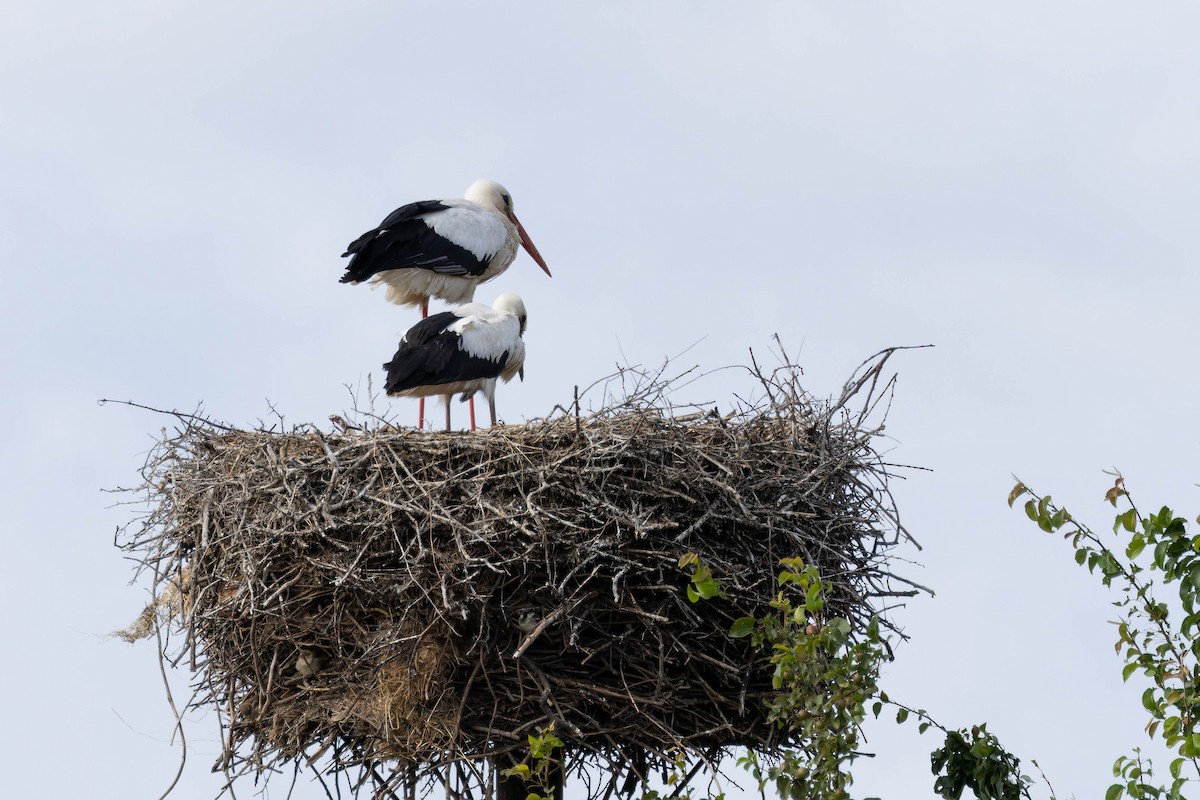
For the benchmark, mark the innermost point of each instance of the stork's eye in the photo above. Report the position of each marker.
(507, 200)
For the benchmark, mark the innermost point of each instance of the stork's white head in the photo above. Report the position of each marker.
(490, 194)
(513, 304)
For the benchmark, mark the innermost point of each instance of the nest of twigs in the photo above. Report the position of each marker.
(389, 605)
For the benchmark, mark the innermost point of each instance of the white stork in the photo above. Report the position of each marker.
(461, 351)
(441, 248)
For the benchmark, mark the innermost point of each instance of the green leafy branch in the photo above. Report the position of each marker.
(975, 760)
(823, 680)
(538, 775)
(702, 586)
(1166, 652)
(843, 669)
(825, 675)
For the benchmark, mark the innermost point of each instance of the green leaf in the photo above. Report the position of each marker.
(1016, 492)
(1150, 702)
(742, 627)
(812, 600)
(520, 770)
(901, 715)
(1114, 792)
(1171, 727)
(1129, 670)
(1081, 555)
(1136, 545)
(1031, 510)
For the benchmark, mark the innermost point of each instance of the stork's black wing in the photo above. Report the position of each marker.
(429, 355)
(405, 241)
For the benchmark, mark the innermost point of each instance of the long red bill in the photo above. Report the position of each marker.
(527, 243)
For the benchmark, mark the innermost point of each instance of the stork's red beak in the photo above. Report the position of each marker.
(527, 243)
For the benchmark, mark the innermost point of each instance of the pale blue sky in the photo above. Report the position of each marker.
(1016, 184)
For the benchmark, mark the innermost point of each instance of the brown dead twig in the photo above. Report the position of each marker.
(389, 606)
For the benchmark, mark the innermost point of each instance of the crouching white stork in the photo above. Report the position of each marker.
(441, 248)
(461, 351)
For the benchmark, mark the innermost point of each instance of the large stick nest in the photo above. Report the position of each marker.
(392, 603)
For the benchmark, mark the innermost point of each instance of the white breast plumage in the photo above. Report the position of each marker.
(487, 333)
(484, 233)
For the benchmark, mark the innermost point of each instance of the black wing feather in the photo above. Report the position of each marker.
(405, 241)
(429, 327)
(429, 355)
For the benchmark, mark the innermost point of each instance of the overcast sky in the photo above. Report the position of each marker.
(1015, 183)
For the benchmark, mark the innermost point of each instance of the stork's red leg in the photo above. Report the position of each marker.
(471, 403)
(421, 404)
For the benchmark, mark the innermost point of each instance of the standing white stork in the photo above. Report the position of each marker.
(463, 350)
(441, 248)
